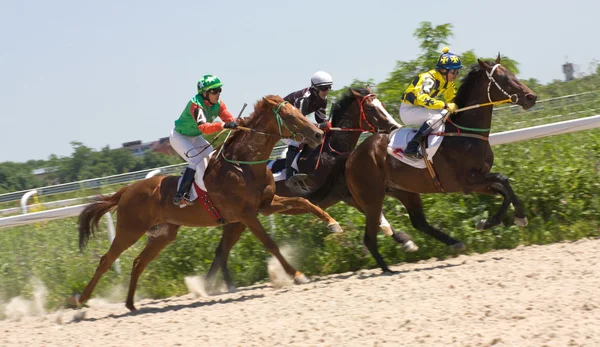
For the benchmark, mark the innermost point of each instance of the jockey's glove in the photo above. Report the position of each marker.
(230, 125)
(451, 107)
(324, 126)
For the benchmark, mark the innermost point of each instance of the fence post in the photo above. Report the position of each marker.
(24, 199)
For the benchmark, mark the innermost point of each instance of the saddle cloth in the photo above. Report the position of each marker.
(198, 178)
(400, 138)
(280, 175)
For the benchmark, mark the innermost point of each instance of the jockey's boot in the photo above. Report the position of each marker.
(182, 197)
(412, 148)
(292, 177)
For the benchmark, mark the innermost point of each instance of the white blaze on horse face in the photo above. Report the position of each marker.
(389, 117)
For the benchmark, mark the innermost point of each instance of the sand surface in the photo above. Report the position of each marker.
(529, 296)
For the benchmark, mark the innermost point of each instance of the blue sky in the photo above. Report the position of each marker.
(108, 72)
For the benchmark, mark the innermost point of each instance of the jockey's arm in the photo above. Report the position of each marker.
(213, 127)
(449, 94)
(423, 97)
(321, 115)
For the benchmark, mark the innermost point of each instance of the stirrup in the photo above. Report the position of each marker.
(414, 155)
(182, 200)
(297, 178)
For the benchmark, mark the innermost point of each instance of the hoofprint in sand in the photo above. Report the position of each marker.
(529, 296)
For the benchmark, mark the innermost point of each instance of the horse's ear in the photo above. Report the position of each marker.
(269, 99)
(354, 92)
(368, 88)
(483, 64)
(498, 58)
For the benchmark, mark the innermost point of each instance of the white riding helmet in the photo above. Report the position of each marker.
(321, 78)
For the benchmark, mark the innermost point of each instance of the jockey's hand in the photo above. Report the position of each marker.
(325, 126)
(451, 107)
(230, 125)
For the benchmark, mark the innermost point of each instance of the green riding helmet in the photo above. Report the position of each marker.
(208, 82)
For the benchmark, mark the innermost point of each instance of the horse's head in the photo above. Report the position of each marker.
(504, 84)
(292, 123)
(370, 115)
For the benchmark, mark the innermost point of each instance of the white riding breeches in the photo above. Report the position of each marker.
(416, 115)
(194, 149)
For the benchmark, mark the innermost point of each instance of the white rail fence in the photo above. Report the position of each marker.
(495, 139)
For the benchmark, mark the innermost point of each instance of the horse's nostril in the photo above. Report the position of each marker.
(319, 135)
(531, 97)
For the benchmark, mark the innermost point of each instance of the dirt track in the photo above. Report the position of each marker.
(529, 296)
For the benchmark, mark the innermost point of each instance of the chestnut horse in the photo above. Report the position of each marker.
(239, 191)
(356, 112)
(462, 162)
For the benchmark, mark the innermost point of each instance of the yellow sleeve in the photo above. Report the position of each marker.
(450, 93)
(420, 95)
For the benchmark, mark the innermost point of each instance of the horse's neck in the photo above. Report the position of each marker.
(344, 141)
(478, 118)
(253, 146)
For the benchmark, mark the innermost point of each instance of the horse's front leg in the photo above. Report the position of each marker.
(386, 228)
(414, 206)
(253, 223)
(284, 204)
(497, 183)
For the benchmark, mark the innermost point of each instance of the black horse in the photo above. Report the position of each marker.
(462, 163)
(356, 112)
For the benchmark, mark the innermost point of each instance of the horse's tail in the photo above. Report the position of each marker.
(90, 216)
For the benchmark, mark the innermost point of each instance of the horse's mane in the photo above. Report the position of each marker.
(467, 84)
(261, 106)
(338, 108)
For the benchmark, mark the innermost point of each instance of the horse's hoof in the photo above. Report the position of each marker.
(459, 246)
(300, 278)
(386, 230)
(522, 222)
(231, 289)
(73, 301)
(335, 228)
(481, 225)
(410, 246)
(130, 306)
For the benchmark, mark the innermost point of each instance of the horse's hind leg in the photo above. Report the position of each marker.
(414, 206)
(252, 222)
(124, 238)
(159, 237)
(231, 235)
(282, 204)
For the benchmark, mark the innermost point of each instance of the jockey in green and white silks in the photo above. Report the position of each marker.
(187, 138)
(419, 105)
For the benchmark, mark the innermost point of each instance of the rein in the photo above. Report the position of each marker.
(363, 116)
(514, 98)
(280, 123)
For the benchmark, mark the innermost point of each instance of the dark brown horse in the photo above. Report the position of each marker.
(356, 112)
(462, 163)
(237, 190)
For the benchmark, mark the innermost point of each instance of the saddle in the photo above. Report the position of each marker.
(401, 137)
